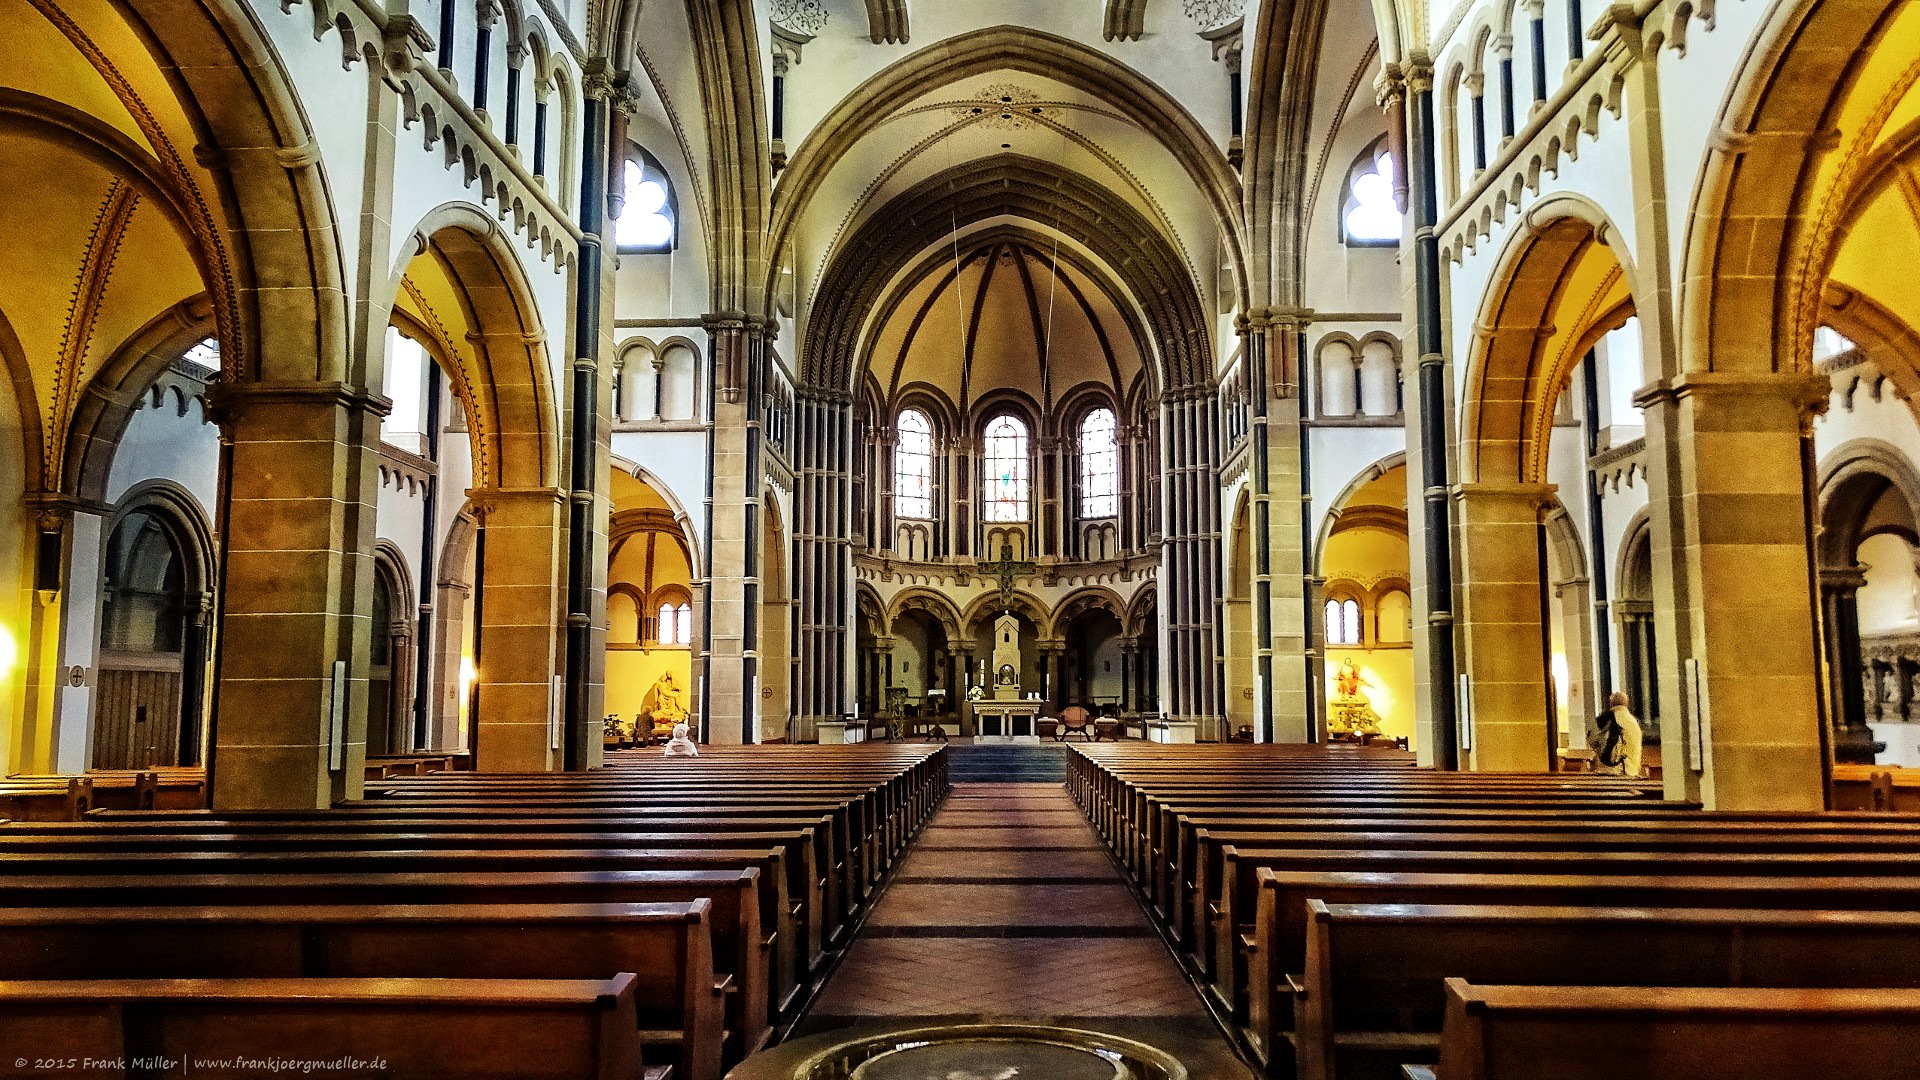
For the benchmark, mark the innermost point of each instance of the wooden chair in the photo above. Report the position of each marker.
(1074, 720)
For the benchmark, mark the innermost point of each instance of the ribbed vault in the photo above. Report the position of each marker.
(1120, 237)
(1013, 309)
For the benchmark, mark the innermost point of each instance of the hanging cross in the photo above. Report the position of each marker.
(1007, 570)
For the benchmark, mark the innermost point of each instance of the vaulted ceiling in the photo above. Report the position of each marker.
(998, 317)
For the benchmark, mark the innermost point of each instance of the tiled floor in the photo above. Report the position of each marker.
(1009, 909)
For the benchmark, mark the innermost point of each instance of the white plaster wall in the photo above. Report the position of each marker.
(1887, 419)
(678, 461)
(159, 442)
(1340, 455)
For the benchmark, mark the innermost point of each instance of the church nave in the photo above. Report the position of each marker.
(1008, 910)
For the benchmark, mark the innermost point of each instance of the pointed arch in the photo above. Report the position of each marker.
(501, 373)
(1034, 52)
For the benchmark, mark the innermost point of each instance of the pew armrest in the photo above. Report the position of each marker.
(661, 1037)
(1295, 989)
(1417, 1072)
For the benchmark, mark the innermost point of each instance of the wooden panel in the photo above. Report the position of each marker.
(136, 719)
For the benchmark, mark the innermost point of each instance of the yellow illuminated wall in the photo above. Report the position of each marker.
(1367, 556)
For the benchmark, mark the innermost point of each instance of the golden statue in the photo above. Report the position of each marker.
(1351, 714)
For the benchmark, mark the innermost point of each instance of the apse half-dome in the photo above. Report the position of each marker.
(1015, 316)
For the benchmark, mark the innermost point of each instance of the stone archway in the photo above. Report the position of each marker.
(1867, 489)
(1797, 133)
(463, 288)
(232, 163)
(1559, 287)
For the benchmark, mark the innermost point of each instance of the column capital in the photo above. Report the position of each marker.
(1808, 391)
(56, 508)
(488, 501)
(228, 400)
(1540, 496)
(1843, 579)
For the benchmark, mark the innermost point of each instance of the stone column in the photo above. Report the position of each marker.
(1287, 661)
(730, 660)
(522, 580)
(1584, 699)
(1731, 553)
(1129, 660)
(450, 612)
(298, 487)
(1501, 633)
(400, 685)
(1054, 666)
(1839, 597)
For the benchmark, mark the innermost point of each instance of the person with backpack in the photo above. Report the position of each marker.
(1616, 739)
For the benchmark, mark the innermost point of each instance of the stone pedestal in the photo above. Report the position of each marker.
(840, 733)
(1172, 731)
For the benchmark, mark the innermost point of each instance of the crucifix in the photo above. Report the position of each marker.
(1007, 570)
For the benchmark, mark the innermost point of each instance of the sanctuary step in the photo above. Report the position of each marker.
(1008, 763)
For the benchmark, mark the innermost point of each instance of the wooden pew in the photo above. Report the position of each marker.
(1880, 788)
(874, 848)
(1277, 949)
(740, 952)
(814, 879)
(668, 947)
(1372, 994)
(1606, 1033)
(775, 914)
(59, 797)
(1235, 934)
(802, 917)
(429, 1029)
(834, 849)
(1172, 871)
(1222, 893)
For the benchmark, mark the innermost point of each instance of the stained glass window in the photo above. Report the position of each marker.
(1372, 215)
(1099, 465)
(646, 219)
(913, 466)
(1006, 470)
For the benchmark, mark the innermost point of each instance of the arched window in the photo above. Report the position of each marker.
(1099, 465)
(913, 467)
(1005, 470)
(1393, 621)
(146, 601)
(666, 624)
(1371, 216)
(646, 214)
(683, 625)
(1343, 622)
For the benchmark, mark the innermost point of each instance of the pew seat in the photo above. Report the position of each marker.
(1372, 995)
(667, 947)
(404, 1029)
(1609, 1033)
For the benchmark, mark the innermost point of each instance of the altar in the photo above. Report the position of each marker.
(1005, 721)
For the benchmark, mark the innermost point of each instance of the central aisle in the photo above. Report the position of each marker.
(1008, 908)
